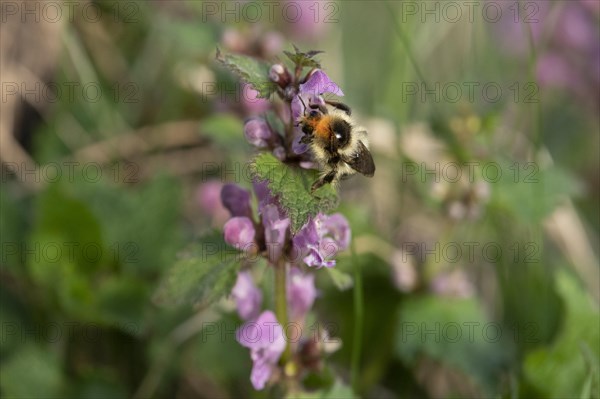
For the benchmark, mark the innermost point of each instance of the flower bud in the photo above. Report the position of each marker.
(404, 271)
(258, 133)
(234, 41)
(251, 101)
(279, 153)
(236, 200)
(208, 196)
(239, 233)
(280, 75)
(272, 43)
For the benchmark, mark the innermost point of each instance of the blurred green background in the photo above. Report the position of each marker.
(114, 114)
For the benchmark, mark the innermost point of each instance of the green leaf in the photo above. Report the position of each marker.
(13, 227)
(341, 280)
(275, 123)
(68, 223)
(529, 192)
(211, 346)
(456, 333)
(337, 391)
(204, 276)
(68, 252)
(122, 301)
(32, 373)
(141, 225)
(292, 187)
(562, 369)
(530, 283)
(250, 70)
(301, 59)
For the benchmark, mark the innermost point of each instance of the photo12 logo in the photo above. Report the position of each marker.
(270, 11)
(54, 252)
(470, 11)
(470, 92)
(69, 11)
(69, 92)
(453, 172)
(468, 332)
(472, 251)
(71, 171)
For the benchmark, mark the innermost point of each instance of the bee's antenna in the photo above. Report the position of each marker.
(302, 101)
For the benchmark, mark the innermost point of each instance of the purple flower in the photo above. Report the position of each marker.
(236, 200)
(591, 5)
(455, 283)
(264, 337)
(304, 23)
(272, 44)
(553, 70)
(239, 232)
(575, 28)
(247, 296)
(257, 133)
(512, 34)
(319, 83)
(276, 225)
(338, 228)
(321, 239)
(251, 102)
(297, 146)
(404, 271)
(209, 196)
(301, 293)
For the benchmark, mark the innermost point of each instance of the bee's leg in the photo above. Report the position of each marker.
(306, 139)
(339, 105)
(328, 178)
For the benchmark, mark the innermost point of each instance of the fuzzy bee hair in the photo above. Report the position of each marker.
(340, 147)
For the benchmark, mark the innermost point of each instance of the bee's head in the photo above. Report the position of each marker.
(314, 114)
(309, 112)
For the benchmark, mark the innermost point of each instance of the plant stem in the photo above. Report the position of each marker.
(281, 304)
(406, 43)
(358, 320)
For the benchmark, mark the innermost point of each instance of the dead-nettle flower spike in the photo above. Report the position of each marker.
(267, 230)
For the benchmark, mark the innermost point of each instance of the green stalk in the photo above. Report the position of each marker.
(358, 320)
(406, 43)
(536, 136)
(281, 305)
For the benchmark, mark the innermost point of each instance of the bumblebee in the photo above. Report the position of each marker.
(339, 145)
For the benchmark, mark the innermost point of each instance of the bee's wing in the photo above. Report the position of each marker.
(361, 161)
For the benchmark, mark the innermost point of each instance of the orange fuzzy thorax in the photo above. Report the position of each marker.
(321, 128)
